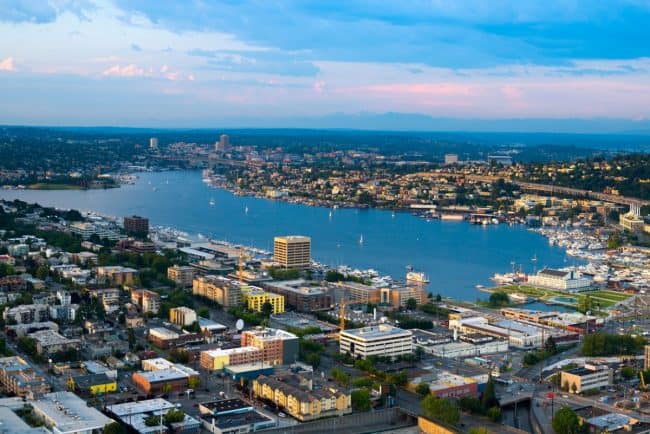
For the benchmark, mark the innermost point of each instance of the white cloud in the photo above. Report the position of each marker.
(131, 70)
(7, 64)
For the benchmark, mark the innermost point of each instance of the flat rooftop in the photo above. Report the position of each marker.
(228, 351)
(226, 405)
(70, 413)
(375, 332)
(10, 422)
(228, 421)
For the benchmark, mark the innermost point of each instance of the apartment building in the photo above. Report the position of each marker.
(182, 316)
(181, 275)
(301, 402)
(255, 298)
(218, 359)
(19, 378)
(148, 301)
(226, 292)
(278, 347)
(116, 274)
(27, 313)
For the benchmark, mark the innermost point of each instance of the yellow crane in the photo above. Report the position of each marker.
(644, 387)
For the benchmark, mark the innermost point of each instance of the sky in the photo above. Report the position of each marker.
(202, 63)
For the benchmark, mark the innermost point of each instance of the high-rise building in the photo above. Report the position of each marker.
(381, 340)
(223, 145)
(136, 224)
(278, 347)
(451, 158)
(292, 251)
(153, 143)
(183, 275)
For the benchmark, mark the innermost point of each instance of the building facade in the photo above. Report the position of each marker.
(182, 316)
(255, 298)
(224, 291)
(278, 347)
(589, 377)
(136, 224)
(381, 340)
(182, 275)
(292, 251)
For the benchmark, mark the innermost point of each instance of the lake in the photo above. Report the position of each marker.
(455, 255)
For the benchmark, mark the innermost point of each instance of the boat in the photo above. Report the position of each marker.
(361, 239)
(480, 286)
(246, 209)
(416, 277)
(212, 202)
(330, 214)
(393, 214)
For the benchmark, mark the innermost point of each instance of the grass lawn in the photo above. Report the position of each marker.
(606, 298)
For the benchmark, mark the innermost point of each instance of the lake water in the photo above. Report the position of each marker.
(455, 255)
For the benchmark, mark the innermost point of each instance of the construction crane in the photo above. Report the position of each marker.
(342, 316)
(644, 387)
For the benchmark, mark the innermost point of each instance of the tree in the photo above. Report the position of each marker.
(550, 346)
(131, 338)
(360, 400)
(194, 382)
(440, 409)
(489, 399)
(566, 421)
(411, 304)
(627, 372)
(494, 413)
(114, 428)
(574, 388)
(438, 298)
(499, 299)
(267, 309)
(422, 389)
(166, 388)
(340, 377)
(42, 272)
(203, 312)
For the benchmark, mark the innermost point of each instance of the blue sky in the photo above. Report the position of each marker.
(230, 63)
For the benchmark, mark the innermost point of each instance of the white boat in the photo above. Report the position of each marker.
(246, 209)
(416, 277)
(212, 202)
(330, 214)
(361, 239)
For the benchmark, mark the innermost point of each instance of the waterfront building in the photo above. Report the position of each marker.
(569, 281)
(381, 340)
(182, 275)
(589, 377)
(255, 298)
(358, 293)
(398, 296)
(182, 316)
(224, 291)
(19, 378)
(278, 347)
(300, 296)
(504, 160)
(66, 413)
(292, 251)
(136, 224)
(86, 229)
(631, 222)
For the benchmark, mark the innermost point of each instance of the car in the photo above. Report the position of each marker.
(282, 414)
(565, 396)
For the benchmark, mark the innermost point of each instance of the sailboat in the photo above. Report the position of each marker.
(361, 239)
(246, 209)
(330, 214)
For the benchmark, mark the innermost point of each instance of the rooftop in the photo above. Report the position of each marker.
(70, 413)
(611, 422)
(379, 331)
(293, 238)
(226, 405)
